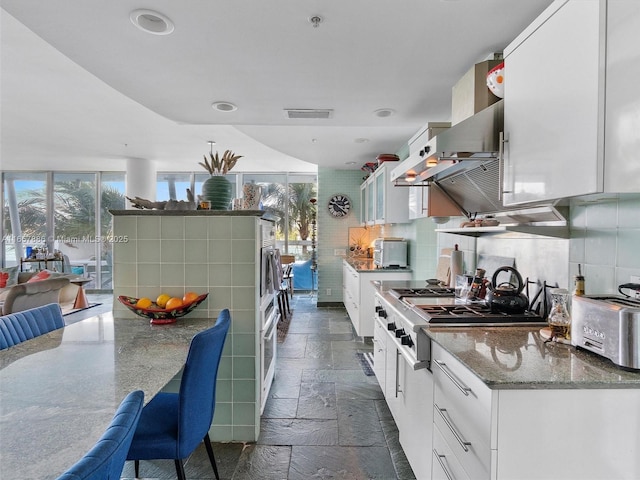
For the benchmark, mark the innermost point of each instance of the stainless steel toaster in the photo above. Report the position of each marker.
(608, 325)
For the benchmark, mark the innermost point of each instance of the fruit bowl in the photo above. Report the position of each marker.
(160, 316)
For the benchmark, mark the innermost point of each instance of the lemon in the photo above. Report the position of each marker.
(162, 300)
(143, 302)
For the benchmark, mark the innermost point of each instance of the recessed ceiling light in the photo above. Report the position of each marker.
(361, 140)
(151, 22)
(384, 112)
(224, 106)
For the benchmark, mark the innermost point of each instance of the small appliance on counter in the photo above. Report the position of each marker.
(390, 253)
(608, 325)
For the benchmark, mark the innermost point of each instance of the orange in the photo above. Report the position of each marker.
(173, 303)
(143, 302)
(162, 300)
(189, 297)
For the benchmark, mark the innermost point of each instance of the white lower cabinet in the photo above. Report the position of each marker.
(358, 294)
(415, 436)
(380, 352)
(445, 464)
(409, 395)
(532, 434)
(462, 411)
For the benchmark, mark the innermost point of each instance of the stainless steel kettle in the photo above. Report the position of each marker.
(506, 297)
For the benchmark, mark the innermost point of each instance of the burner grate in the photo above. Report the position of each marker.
(423, 292)
(477, 314)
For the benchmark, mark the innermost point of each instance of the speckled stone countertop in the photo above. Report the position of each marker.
(519, 358)
(59, 391)
(365, 265)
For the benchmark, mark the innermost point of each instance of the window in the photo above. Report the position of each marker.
(288, 197)
(56, 212)
(24, 214)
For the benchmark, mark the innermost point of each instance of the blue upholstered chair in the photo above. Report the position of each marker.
(172, 425)
(303, 276)
(105, 460)
(21, 326)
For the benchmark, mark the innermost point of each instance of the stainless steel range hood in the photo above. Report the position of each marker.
(467, 169)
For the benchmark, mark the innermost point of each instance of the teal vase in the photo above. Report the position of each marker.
(217, 189)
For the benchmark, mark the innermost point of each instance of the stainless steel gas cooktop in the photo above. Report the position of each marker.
(474, 314)
(429, 291)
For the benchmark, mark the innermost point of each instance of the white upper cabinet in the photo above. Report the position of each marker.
(572, 108)
(384, 202)
(553, 96)
(622, 128)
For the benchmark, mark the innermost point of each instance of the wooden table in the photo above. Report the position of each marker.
(59, 391)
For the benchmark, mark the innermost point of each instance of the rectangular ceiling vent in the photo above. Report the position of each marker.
(306, 113)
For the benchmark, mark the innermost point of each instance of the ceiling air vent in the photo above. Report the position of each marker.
(305, 113)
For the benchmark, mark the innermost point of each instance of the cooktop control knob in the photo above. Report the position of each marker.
(382, 313)
(378, 308)
(406, 340)
(391, 326)
(399, 332)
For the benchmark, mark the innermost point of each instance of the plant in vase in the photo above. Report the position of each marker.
(217, 189)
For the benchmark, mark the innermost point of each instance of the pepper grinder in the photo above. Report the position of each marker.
(578, 283)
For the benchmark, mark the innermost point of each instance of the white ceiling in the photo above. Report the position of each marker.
(89, 90)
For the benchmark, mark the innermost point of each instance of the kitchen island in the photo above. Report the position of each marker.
(60, 390)
(505, 404)
(214, 252)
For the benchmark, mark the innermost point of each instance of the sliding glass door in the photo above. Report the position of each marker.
(62, 214)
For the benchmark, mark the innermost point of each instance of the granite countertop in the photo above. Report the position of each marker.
(519, 358)
(365, 265)
(61, 389)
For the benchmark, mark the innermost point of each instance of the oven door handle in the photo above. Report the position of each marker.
(271, 324)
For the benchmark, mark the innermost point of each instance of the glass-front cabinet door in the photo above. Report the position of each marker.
(380, 190)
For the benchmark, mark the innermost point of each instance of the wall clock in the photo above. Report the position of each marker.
(339, 206)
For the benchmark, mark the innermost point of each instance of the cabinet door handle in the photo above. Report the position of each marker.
(440, 459)
(463, 443)
(443, 366)
(398, 389)
(501, 142)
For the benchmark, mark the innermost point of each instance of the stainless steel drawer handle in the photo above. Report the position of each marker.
(463, 443)
(440, 459)
(443, 366)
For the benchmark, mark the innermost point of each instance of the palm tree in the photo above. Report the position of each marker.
(277, 200)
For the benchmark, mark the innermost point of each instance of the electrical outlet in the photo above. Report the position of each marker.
(328, 292)
(338, 252)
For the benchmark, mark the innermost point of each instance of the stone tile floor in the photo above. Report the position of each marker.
(324, 419)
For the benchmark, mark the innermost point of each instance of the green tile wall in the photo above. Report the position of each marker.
(202, 254)
(605, 235)
(333, 233)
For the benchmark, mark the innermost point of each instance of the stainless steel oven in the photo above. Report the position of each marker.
(268, 348)
(269, 315)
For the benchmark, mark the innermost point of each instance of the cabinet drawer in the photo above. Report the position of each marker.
(472, 453)
(445, 464)
(462, 410)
